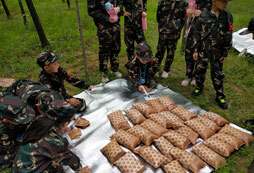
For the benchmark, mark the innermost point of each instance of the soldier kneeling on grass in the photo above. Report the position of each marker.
(142, 67)
(15, 115)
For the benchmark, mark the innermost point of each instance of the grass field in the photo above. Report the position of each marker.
(19, 48)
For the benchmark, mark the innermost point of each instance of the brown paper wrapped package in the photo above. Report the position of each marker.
(153, 157)
(165, 101)
(135, 116)
(153, 127)
(144, 135)
(129, 164)
(219, 146)
(187, 159)
(118, 120)
(164, 146)
(177, 139)
(184, 114)
(208, 155)
(209, 123)
(156, 105)
(229, 139)
(171, 117)
(219, 120)
(237, 133)
(161, 120)
(200, 128)
(113, 151)
(126, 139)
(75, 134)
(186, 131)
(82, 123)
(173, 167)
(144, 108)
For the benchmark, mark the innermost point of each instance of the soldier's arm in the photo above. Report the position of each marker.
(132, 72)
(74, 81)
(73, 161)
(95, 10)
(145, 5)
(45, 82)
(120, 5)
(227, 40)
(197, 31)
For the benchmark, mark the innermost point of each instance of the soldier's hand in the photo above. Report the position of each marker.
(85, 170)
(189, 12)
(112, 20)
(74, 101)
(223, 59)
(197, 12)
(117, 10)
(195, 56)
(144, 14)
(126, 13)
(148, 89)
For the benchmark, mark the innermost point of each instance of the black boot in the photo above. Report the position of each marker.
(222, 103)
(196, 92)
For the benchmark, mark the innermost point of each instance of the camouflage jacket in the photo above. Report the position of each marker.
(204, 5)
(96, 9)
(134, 66)
(170, 17)
(38, 156)
(27, 90)
(135, 8)
(56, 81)
(212, 33)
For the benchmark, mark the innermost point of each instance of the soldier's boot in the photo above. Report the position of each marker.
(193, 81)
(222, 103)
(186, 81)
(164, 75)
(249, 121)
(117, 74)
(197, 92)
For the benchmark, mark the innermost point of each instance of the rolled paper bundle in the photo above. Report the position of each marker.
(184, 114)
(164, 146)
(135, 116)
(171, 117)
(173, 167)
(219, 120)
(209, 123)
(144, 108)
(165, 101)
(153, 127)
(161, 120)
(177, 139)
(156, 105)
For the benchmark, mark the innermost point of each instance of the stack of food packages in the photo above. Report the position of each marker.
(171, 129)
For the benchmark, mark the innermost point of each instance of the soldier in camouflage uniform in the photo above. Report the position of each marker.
(48, 150)
(170, 17)
(142, 67)
(212, 41)
(15, 115)
(53, 76)
(108, 32)
(134, 11)
(202, 5)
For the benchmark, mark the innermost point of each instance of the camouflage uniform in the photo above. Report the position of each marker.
(212, 40)
(108, 33)
(170, 17)
(133, 25)
(56, 82)
(39, 156)
(138, 70)
(15, 109)
(190, 63)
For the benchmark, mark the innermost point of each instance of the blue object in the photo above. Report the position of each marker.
(108, 5)
(142, 80)
(20, 137)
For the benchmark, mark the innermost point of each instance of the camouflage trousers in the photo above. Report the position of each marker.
(132, 32)
(163, 44)
(81, 106)
(191, 64)
(217, 74)
(109, 46)
(8, 146)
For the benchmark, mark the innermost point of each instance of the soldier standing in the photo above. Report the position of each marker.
(15, 115)
(212, 41)
(108, 32)
(170, 17)
(43, 148)
(53, 76)
(134, 11)
(202, 5)
(142, 67)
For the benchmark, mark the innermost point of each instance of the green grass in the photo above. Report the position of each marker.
(19, 49)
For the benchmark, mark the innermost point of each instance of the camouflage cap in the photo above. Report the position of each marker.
(250, 27)
(45, 58)
(55, 107)
(15, 109)
(144, 52)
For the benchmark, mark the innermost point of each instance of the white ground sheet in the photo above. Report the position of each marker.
(241, 42)
(117, 94)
